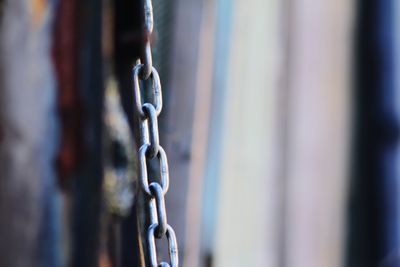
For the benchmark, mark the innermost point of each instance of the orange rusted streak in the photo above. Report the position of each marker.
(69, 102)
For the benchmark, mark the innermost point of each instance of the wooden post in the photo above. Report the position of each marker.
(318, 132)
(246, 232)
(185, 136)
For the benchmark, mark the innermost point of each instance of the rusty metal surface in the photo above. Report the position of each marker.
(65, 56)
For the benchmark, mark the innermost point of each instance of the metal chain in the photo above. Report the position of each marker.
(148, 23)
(150, 149)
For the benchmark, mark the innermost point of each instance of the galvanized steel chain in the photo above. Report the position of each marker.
(149, 24)
(154, 191)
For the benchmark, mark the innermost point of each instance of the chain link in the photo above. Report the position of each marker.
(157, 191)
(172, 246)
(152, 124)
(148, 23)
(164, 174)
(156, 89)
(150, 149)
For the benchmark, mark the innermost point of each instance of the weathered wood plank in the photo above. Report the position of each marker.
(318, 132)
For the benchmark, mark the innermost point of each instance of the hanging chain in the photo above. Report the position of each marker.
(150, 149)
(149, 24)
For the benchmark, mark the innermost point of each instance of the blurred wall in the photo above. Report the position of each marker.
(246, 223)
(319, 114)
(277, 169)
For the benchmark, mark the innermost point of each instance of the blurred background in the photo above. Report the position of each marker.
(280, 122)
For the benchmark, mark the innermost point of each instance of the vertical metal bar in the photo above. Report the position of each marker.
(88, 183)
(129, 38)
